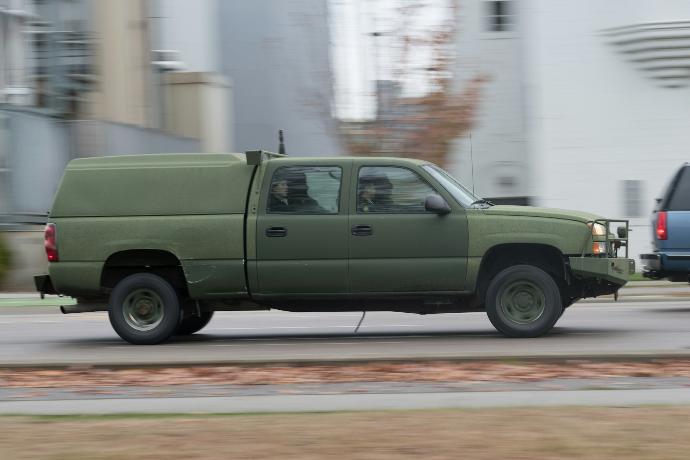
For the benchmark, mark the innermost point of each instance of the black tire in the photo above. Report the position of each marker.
(191, 324)
(144, 309)
(523, 301)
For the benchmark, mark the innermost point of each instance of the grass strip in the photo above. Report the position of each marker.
(543, 433)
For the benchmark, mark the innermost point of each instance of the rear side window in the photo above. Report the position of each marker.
(305, 190)
(679, 198)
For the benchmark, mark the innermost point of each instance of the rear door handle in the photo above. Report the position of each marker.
(276, 232)
(362, 230)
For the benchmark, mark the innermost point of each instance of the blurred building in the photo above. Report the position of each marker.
(14, 78)
(277, 55)
(273, 55)
(586, 103)
(105, 77)
(84, 78)
(196, 99)
(493, 157)
(98, 77)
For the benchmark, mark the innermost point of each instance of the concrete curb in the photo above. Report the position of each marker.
(349, 402)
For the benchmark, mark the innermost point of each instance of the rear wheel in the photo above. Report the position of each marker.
(192, 324)
(523, 301)
(144, 309)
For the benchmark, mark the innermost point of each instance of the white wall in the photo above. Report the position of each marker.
(498, 136)
(276, 54)
(190, 27)
(593, 118)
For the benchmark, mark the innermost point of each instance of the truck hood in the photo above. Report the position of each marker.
(533, 211)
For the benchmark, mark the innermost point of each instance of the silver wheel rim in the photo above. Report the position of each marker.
(143, 310)
(522, 302)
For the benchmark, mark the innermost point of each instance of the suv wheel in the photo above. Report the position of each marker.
(523, 301)
(192, 324)
(144, 309)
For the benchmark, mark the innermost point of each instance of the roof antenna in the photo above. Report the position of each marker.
(472, 162)
(281, 145)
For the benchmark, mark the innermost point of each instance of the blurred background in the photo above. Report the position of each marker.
(580, 105)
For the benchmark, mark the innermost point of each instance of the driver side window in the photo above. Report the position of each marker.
(392, 190)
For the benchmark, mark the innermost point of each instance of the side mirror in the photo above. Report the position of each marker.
(622, 232)
(436, 204)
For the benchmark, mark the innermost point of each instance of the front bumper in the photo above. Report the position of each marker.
(616, 270)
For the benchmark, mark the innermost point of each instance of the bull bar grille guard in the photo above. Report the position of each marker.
(617, 242)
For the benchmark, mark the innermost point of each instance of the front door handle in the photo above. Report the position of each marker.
(276, 232)
(362, 230)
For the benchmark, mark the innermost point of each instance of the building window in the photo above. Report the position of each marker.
(499, 16)
(632, 198)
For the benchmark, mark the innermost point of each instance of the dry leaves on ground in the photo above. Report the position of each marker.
(421, 371)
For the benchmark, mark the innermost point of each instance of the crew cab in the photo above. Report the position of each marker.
(162, 241)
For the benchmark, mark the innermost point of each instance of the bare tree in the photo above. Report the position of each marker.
(424, 126)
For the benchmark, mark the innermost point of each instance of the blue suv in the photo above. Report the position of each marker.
(671, 224)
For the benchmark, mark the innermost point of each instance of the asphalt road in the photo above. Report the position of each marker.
(639, 327)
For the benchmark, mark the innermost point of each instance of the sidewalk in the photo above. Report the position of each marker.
(348, 402)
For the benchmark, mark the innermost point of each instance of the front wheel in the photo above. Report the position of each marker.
(144, 309)
(523, 301)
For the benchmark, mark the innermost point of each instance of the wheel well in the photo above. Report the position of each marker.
(546, 257)
(162, 263)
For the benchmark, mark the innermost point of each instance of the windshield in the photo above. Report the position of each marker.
(455, 188)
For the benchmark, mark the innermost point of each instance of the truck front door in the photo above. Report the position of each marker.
(396, 245)
(302, 230)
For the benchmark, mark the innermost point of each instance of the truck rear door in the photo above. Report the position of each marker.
(302, 229)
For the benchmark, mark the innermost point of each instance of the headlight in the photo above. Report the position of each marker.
(599, 247)
(597, 229)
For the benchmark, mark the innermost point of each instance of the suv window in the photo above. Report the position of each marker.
(391, 189)
(679, 200)
(305, 190)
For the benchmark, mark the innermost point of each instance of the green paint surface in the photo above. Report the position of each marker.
(209, 212)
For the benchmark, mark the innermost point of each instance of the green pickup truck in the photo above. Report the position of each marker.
(163, 241)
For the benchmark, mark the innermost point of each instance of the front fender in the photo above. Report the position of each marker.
(487, 231)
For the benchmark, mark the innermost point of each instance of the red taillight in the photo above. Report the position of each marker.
(50, 243)
(661, 229)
